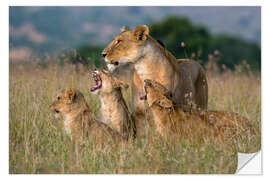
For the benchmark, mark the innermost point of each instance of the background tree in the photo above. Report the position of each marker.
(86, 55)
(186, 40)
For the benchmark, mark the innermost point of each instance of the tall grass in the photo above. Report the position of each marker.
(38, 143)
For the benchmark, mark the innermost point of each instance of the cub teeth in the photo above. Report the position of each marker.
(97, 80)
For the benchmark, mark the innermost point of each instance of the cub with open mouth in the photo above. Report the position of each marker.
(114, 110)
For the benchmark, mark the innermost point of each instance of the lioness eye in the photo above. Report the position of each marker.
(118, 41)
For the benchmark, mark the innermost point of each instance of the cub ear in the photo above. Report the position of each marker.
(165, 102)
(71, 93)
(119, 84)
(141, 32)
(125, 28)
(151, 100)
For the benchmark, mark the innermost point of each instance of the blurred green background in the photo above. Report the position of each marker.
(226, 35)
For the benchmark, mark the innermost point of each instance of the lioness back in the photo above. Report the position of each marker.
(195, 79)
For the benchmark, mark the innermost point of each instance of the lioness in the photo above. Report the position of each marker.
(169, 118)
(114, 110)
(78, 120)
(186, 80)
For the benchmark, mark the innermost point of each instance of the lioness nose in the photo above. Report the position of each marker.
(104, 54)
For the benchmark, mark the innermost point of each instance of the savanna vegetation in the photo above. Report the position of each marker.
(38, 143)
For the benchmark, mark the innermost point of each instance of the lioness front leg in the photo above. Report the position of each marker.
(142, 116)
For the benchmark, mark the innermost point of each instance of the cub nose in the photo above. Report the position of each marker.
(104, 54)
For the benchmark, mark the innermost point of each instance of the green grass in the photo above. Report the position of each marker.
(38, 143)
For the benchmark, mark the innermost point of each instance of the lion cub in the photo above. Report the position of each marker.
(78, 120)
(207, 125)
(114, 110)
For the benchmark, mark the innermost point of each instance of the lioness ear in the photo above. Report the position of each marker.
(125, 28)
(141, 32)
(165, 102)
(119, 84)
(71, 94)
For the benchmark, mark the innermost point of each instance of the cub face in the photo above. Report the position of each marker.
(126, 47)
(157, 95)
(64, 102)
(105, 83)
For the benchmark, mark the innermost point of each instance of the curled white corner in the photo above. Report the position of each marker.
(249, 163)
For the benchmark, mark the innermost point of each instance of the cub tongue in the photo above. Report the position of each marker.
(141, 96)
(97, 86)
(93, 88)
(97, 80)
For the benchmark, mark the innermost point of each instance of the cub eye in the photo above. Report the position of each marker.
(58, 98)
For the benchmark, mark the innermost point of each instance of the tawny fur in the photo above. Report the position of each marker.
(78, 120)
(113, 110)
(220, 126)
(152, 61)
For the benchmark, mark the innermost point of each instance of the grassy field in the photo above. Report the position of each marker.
(38, 143)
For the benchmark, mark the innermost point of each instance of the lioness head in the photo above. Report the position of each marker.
(106, 83)
(157, 95)
(126, 47)
(67, 101)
